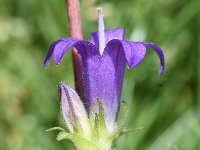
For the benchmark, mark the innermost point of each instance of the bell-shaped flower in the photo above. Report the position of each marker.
(104, 59)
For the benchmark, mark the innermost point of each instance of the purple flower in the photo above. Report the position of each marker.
(104, 59)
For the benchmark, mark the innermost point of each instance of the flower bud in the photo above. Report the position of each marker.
(73, 111)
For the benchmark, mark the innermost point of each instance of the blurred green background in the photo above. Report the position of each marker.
(168, 106)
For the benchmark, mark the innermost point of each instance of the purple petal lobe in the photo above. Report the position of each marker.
(134, 52)
(49, 53)
(61, 46)
(160, 54)
(109, 35)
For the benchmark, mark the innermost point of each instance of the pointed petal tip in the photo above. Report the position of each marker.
(161, 70)
(60, 87)
(57, 63)
(160, 54)
(132, 65)
(46, 64)
(62, 84)
(58, 49)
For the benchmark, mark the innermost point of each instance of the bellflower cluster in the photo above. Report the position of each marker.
(104, 59)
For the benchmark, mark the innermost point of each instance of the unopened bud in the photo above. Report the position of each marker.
(73, 110)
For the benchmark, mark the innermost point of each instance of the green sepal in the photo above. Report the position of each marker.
(131, 130)
(77, 129)
(82, 143)
(95, 130)
(55, 128)
(97, 122)
(101, 117)
(100, 138)
(91, 116)
(120, 130)
(117, 132)
(97, 118)
(63, 135)
(100, 134)
(79, 141)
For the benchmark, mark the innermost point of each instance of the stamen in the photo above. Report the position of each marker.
(101, 30)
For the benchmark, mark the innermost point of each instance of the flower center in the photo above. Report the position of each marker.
(101, 30)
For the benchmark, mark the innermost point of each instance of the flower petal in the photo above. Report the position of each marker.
(109, 35)
(103, 78)
(160, 54)
(61, 46)
(136, 51)
(49, 53)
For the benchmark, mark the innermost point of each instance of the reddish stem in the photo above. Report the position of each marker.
(74, 19)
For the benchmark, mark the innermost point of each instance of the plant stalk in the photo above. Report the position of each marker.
(75, 27)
